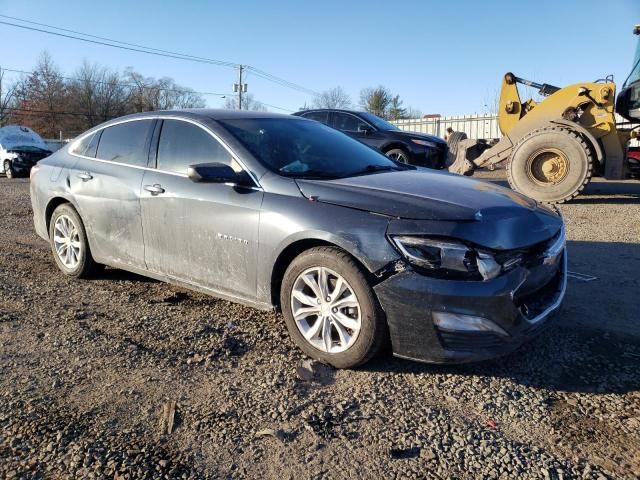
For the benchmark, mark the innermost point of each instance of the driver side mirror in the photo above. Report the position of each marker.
(212, 173)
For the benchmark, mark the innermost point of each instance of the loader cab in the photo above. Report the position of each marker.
(628, 102)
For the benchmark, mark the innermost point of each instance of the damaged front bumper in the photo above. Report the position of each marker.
(446, 321)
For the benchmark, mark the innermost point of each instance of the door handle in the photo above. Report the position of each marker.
(85, 176)
(155, 189)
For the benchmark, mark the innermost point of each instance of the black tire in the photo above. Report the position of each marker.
(86, 266)
(574, 156)
(373, 335)
(453, 140)
(398, 154)
(8, 169)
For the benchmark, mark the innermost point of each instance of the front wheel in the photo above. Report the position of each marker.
(398, 154)
(8, 169)
(330, 309)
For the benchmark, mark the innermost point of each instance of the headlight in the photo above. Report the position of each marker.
(447, 259)
(425, 143)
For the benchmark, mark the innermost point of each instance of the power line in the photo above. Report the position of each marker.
(281, 81)
(152, 51)
(178, 57)
(222, 62)
(133, 85)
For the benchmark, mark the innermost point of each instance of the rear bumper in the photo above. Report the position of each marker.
(520, 304)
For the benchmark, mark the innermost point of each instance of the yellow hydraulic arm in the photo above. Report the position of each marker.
(586, 108)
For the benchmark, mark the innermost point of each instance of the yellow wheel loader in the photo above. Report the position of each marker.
(552, 148)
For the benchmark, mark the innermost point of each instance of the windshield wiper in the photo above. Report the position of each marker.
(308, 174)
(375, 169)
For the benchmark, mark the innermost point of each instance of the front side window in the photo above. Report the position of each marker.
(183, 144)
(125, 143)
(88, 145)
(296, 148)
(347, 123)
(379, 122)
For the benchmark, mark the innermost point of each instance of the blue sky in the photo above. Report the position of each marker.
(441, 57)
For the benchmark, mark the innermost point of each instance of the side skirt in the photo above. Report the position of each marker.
(194, 286)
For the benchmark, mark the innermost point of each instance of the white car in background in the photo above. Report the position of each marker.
(20, 149)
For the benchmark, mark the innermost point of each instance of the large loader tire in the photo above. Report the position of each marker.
(453, 140)
(550, 164)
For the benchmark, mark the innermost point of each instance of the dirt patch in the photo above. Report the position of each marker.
(88, 367)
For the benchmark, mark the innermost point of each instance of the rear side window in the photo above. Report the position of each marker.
(346, 122)
(183, 144)
(88, 145)
(125, 143)
(322, 117)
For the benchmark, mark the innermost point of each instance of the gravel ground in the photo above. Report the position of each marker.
(89, 371)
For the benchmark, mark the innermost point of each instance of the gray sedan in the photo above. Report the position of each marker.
(275, 211)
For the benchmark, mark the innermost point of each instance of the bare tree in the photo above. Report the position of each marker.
(147, 93)
(167, 94)
(42, 99)
(376, 100)
(98, 94)
(7, 98)
(334, 98)
(248, 103)
(50, 103)
(139, 88)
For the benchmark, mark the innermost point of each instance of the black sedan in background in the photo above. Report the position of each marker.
(406, 147)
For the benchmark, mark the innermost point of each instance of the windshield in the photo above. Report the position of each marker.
(304, 149)
(378, 122)
(634, 76)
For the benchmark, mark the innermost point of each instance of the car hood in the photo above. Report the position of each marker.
(14, 136)
(425, 195)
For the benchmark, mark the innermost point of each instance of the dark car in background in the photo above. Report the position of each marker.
(20, 149)
(405, 147)
(277, 211)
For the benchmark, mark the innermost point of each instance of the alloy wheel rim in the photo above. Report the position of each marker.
(548, 166)
(326, 310)
(398, 157)
(66, 241)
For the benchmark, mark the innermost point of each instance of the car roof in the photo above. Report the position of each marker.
(330, 110)
(210, 113)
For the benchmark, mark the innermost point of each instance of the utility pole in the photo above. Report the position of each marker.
(240, 87)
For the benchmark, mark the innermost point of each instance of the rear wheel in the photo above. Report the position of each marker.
(8, 169)
(69, 243)
(398, 154)
(330, 309)
(551, 165)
